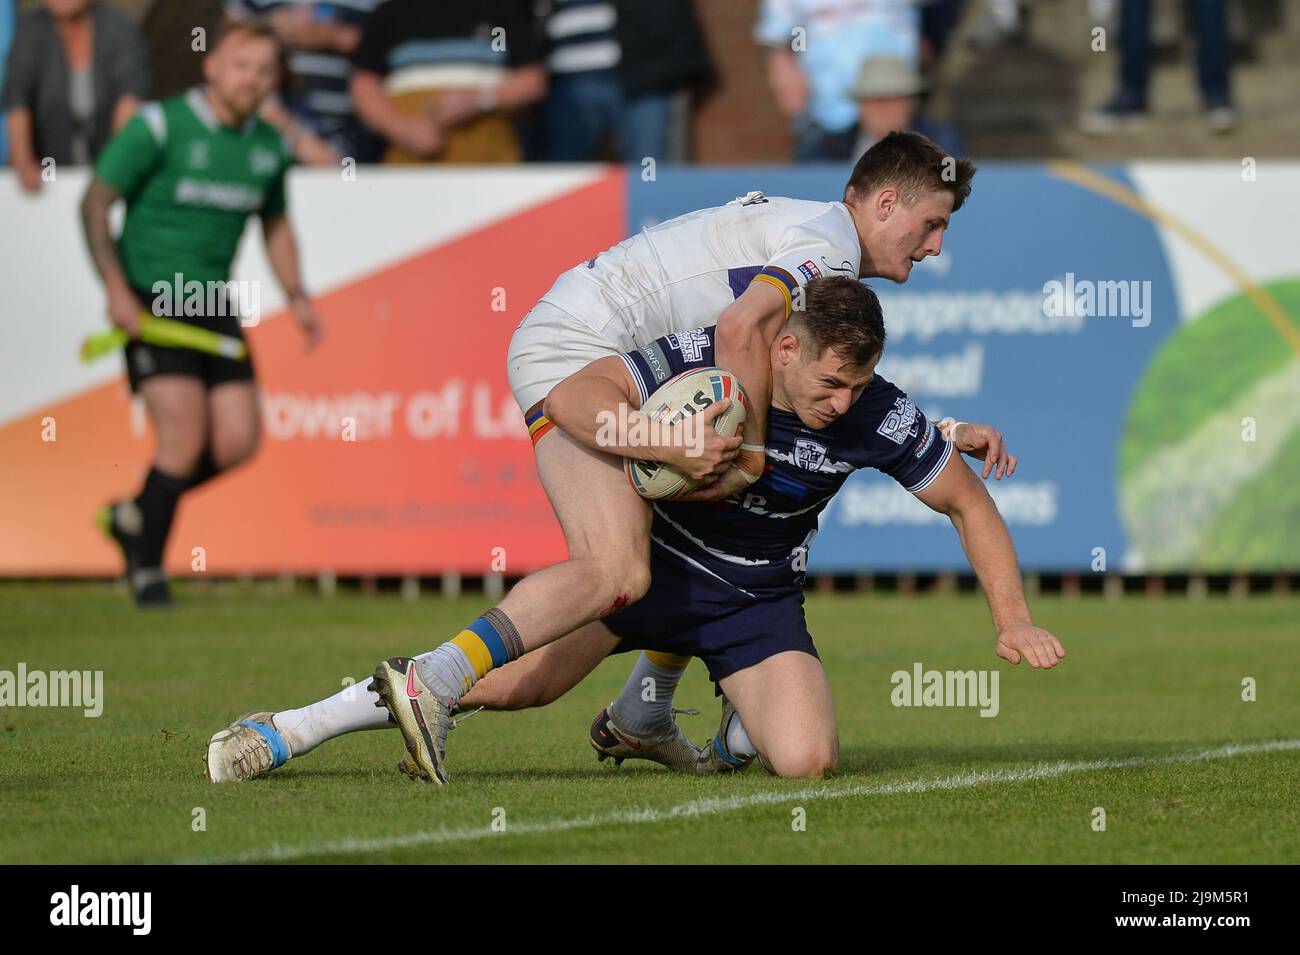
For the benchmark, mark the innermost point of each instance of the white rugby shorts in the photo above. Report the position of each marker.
(549, 345)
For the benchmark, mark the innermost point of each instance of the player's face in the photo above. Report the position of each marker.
(818, 390)
(881, 115)
(243, 72)
(908, 232)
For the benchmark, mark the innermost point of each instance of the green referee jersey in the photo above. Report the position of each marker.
(190, 185)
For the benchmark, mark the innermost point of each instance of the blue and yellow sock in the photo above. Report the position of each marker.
(489, 642)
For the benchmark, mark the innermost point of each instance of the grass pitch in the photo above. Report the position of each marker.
(1139, 721)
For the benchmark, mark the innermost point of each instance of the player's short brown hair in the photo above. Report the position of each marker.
(259, 30)
(250, 29)
(912, 164)
(842, 314)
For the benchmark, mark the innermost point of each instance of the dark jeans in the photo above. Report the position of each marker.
(1211, 51)
(581, 108)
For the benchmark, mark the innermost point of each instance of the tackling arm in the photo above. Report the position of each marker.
(742, 345)
(600, 407)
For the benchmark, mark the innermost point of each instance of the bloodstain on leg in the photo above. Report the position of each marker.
(619, 603)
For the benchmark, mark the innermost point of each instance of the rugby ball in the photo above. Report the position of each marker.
(677, 398)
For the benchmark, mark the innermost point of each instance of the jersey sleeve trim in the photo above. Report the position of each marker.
(782, 280)
(154, 117)
(637, 377)
(934, 471)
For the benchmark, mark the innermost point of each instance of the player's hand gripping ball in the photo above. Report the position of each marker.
(672, 403)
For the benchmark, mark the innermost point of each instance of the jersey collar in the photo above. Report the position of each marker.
(198, 104)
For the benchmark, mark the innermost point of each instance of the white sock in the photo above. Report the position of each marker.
(447, 670)
(645, 706)
(737, 741)
(352, 708)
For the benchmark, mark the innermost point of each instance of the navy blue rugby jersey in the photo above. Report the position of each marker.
(754, 540)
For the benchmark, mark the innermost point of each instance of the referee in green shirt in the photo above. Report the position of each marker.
(192, 170)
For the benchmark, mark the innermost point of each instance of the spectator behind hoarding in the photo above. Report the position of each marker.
(319, 39)
(1127, 109)
(815, 50)
(177, 36)
(76, 72)
(621, 68)
(440, 80)
(939, 21)
(889, 93)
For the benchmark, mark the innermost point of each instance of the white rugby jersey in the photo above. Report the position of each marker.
(681, 274)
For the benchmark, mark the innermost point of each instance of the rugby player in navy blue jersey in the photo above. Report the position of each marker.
(727, 577)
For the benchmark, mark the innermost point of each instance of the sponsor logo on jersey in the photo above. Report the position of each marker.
(198, 157)
(808, 454)
(929, 440)
(232, 196)
(654, 357)
(691, 344)
(263, 161)
(900, 424)
(810, 271)
(844, 266)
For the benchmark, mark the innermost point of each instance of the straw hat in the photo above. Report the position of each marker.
(883, 76)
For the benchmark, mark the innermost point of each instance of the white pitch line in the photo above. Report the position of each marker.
(714, 806)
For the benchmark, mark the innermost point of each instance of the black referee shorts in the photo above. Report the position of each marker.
(144, 361)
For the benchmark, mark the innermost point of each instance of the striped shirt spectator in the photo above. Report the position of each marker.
(320, 38)
(582, 36)
(621, 70)
(439, 80)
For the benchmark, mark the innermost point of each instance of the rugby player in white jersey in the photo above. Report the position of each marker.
(741, 266)
(727, 580)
